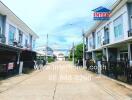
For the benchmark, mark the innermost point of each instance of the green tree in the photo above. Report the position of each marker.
(79, 51)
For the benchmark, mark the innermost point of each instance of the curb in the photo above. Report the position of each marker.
(118, 82)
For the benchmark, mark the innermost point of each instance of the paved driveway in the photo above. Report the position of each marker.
(62, 81)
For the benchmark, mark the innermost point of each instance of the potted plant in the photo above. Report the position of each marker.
(99, 56)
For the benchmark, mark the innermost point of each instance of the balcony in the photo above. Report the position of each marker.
(130, 33)
(106, 41)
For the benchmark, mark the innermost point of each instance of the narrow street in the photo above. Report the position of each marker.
(63, 81)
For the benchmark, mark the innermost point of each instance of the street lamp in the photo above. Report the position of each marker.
(83, 48)
(83, 35)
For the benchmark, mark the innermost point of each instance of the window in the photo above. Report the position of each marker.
(26, 43)
(91, 43)
(20, 37)
(98, 39)
(31, 40)
(33, 44)
(12, 31)
(118, 27)
(106, 35)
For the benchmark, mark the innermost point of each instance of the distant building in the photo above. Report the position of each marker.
(44, 50)
(59, 55)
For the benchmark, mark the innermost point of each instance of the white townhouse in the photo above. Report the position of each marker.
(112, 38)
(17, 41)
(15, 30)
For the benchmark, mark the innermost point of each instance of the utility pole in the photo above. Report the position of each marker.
(47, 49)
(83, 34)
(73, 54)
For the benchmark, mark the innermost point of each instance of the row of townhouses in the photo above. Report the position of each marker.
(17, 41)
(113, 37)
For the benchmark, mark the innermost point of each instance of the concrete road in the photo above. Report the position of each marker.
(63, 81)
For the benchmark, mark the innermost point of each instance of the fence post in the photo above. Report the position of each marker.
(99, 67)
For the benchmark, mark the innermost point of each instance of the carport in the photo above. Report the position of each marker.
(9, 60)
(28, 58)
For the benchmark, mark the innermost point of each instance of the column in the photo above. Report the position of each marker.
(107, 54)
(93, 55)
(129, 52)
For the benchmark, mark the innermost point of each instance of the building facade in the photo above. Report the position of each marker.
(17, 42)
(59, 55)
(112, 38)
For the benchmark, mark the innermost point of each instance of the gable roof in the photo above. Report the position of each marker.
(101, 9)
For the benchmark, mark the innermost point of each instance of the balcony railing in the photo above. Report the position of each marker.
(130, 33)
(106, 41)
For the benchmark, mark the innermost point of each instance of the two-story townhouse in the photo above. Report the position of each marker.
(113, 38)
(17, 41)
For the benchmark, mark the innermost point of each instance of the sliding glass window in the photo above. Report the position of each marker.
(118, 27)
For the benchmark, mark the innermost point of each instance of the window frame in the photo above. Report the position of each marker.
(118, 27)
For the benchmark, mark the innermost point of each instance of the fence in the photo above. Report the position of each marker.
(120, 70)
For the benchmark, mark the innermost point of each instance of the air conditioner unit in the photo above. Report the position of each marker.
(106, 27)
(15, 43)
(102, 43)
(129, 32)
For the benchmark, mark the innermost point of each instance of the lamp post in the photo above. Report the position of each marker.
(47, 50)
(73, 54)
(83, 34)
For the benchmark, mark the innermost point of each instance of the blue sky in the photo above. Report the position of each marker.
(63, 20)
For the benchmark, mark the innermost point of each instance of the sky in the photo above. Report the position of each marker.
(62, 20)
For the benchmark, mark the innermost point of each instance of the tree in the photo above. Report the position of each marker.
(79, 51)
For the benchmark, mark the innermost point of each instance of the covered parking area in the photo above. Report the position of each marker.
(14, 60)
(27, 61)
(9, 60)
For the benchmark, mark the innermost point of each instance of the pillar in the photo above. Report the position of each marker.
(129, 52)
(107, 54)
(93, 55)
